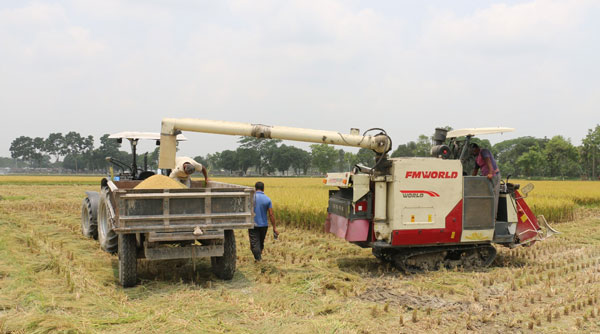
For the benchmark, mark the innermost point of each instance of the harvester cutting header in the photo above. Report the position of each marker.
(420, 213)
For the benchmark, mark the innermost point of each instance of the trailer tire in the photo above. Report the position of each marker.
(127, 260)
(106, 236)
(224, 266)
(89, 215)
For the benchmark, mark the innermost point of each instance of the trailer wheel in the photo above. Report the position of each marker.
(106, 236)
(127, 260)
(89, 215)
(224, 266)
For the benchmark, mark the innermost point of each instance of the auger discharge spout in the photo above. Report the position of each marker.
(171, 127)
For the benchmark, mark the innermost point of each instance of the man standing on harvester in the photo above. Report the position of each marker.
(184, 168)
(262, 207)
(485, 161)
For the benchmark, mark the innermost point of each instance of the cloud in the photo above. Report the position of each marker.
(33, 14)
(536, 25)
(319, 64)
(43, 33)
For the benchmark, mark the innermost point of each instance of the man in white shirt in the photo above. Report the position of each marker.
(184, 168)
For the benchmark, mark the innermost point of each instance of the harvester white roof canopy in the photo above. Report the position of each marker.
(142, 135)
(476, 131)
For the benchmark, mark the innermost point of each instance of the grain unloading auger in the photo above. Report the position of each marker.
(419, 213)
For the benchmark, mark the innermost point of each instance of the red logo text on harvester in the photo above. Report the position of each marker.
(418, 193)
(426, 174)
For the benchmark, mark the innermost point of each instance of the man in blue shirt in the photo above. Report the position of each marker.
(262, 207)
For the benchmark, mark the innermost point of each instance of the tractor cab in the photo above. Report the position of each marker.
(132, 171)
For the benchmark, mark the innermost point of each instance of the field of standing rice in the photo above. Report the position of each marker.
(52, 279)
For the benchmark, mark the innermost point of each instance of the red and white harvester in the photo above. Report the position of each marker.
(419, 213)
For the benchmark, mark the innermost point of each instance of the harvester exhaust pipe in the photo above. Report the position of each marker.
(439, 150)
(439, 137)
(171, 127)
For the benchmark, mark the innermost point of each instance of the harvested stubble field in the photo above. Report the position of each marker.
(54, 280)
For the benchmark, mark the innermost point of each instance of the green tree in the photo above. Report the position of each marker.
(366, 157)
(423, 147)
(109, 147)
(153, 159)
(201, 160)
(74, 145)
(228, 160)
(22, 148)
(405, 150)
(300, 159)
(283, 157)
(341, 161)
(265, 148)
(53, 145)
(7, 162)
(590, 152)
(38, 158)
(268, 158)
(562, 157)
(350, 160)
(213, 161)
(247, 158)
(508, 152)
(532, 163)
(324, 157)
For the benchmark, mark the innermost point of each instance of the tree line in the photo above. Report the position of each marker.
(554, 157)
(77, 152)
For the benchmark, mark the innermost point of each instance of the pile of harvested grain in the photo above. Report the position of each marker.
(159, 182)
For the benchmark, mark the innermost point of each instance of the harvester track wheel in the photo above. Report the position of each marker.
(224, 266)
(127, 260)
(381, 254)
(89, 215)
(106, 236)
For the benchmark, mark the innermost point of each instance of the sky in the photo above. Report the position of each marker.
(107, 66)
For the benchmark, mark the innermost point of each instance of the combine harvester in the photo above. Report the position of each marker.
(419, 213)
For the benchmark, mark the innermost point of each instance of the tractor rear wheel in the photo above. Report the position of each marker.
(224, 266)
(106, 236)
(89, 215)
(127, 260)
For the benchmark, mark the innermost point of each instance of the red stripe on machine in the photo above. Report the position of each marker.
(450, 234)
(430, 193)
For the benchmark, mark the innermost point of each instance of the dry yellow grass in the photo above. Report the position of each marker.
(50, 179)
(52, 279)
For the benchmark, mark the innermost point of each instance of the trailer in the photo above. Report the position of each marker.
(165, 224)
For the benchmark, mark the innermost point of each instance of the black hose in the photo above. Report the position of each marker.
(384, 153)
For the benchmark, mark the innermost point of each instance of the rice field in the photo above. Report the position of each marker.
(302, 202)
(558, 200)
(53, 280)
